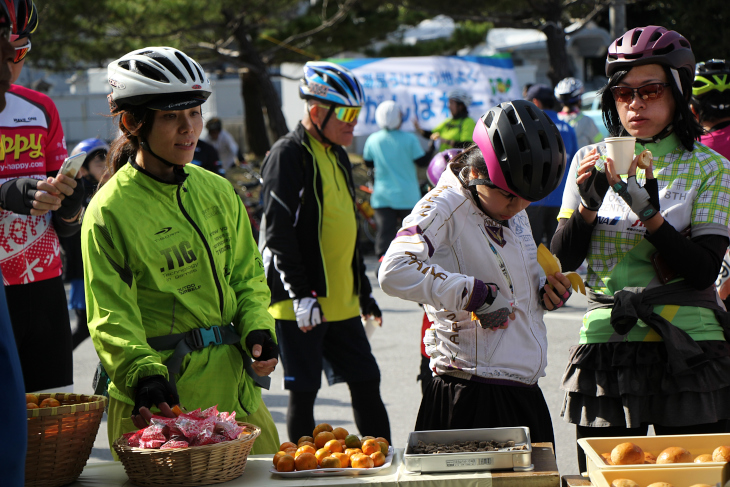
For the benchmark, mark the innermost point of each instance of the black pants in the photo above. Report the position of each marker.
(696, 429)
(389, 222)
(39, 314)
(544, 222)
(450, 403)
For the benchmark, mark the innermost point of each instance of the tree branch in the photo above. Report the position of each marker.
(340, 15)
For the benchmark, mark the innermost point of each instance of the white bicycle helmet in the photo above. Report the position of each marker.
(159, 78)
(569, 90)
(388, 115)
(460, 96)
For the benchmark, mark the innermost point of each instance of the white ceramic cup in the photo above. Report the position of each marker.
(621, 151)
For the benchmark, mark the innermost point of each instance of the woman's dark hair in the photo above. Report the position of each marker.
(685, 124)
(126, 145)
(470, 157)
(712, 106)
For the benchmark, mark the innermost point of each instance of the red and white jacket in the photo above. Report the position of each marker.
(31, 144)
(444, 245)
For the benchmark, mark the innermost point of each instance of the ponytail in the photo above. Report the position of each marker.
(126, 145)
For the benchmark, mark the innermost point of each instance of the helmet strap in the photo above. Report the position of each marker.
(146, 146)
(665, 132)
(320, 130)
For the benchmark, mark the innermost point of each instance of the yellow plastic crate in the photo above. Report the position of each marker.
(696, 444)
(677, 476)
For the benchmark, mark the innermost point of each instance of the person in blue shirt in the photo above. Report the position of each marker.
(394, 154)
(15, 429)
(543, 214)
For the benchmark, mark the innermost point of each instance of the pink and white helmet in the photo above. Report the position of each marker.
(650, 45)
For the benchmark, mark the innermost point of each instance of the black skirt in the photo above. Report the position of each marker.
(451, 403)
(628, 384)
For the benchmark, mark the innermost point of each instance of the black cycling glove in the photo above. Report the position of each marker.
(593, 190)
(269, 348)
(17, 195)
(71, 205)
(154, 390)
(368, 306)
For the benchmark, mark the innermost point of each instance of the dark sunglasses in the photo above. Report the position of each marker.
(21, 52)
(650, 92)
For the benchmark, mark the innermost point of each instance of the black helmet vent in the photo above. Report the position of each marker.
(148, 71)
(185, 63)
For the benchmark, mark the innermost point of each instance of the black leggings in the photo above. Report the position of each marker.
(371, 417)
(696, 429)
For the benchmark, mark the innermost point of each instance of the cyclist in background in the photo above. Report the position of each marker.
(394, 155)
(543, 214)
(710, 104)
(308, 239)
(568, 92)
(92, 172)
(454, 132)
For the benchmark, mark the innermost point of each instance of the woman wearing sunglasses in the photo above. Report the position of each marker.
(39, 206)
(652, 348)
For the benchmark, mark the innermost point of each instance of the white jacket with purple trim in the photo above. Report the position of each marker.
(442, 256)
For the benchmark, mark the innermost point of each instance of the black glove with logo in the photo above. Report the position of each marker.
(17, 195)
(71, 205)
(154, 390)
(269, 348)
(593, 190)
(368, 306)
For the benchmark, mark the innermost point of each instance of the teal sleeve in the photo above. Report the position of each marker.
(416, 149)
(114, 319)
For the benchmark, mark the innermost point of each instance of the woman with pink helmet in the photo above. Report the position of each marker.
(652, 348)
(467, 253)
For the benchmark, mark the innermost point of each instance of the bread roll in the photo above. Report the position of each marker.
(627, 454)
(701, 485)
(649, 458)
(607, 458)
(721, 454)
(660, 484)
(624, 483)
(674, 454)
(704, 458)
(645, 159)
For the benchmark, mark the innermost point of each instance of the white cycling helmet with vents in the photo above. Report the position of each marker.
(460, 96)
(159, 78)
(388, 115)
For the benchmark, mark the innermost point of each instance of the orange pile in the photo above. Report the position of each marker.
(331, 448)
(32, 402)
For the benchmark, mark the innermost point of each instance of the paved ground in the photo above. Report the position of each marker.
(396, 348)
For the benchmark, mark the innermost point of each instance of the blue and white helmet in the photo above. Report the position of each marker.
(569, 90)
(331, 83)
(92, 147)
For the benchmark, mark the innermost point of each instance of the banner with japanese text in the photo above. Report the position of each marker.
(420, 85)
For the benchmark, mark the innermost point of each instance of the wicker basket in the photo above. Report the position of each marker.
(197, 465)
(60, 439)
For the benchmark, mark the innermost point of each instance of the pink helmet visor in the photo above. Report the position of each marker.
(482, 140)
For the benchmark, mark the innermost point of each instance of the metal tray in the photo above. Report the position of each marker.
(518, 460)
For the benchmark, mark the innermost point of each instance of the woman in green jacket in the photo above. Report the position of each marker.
(175, 291)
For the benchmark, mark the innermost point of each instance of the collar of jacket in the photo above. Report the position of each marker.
(177, 171)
